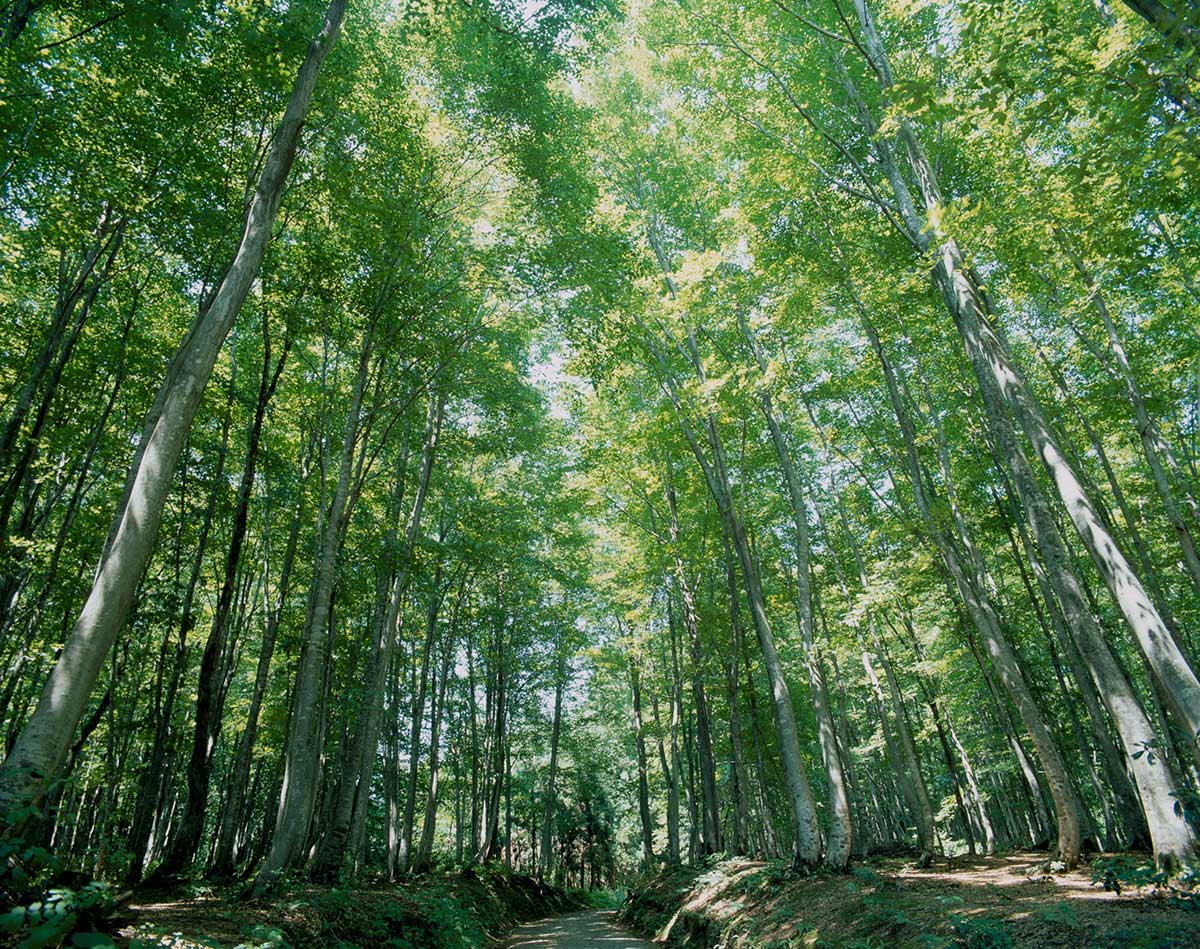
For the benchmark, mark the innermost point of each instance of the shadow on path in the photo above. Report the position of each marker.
(591, 929)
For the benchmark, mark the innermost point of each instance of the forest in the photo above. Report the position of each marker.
(467, 461)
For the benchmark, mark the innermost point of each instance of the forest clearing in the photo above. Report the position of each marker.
(599, 473)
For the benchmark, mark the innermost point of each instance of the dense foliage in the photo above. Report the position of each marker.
(584, 437)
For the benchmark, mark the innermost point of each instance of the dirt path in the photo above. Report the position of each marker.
(591, 929)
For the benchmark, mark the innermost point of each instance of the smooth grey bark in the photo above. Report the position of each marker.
(1004, 391)
(639, 737)
(348, 821)
(155, 779)
(1112, 761)
(549, 795)
(1158, 454)
(303, 752)
(46, 738)
(839, 839)
(806, 837)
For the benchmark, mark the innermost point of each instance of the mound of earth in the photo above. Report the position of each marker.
(977, 903)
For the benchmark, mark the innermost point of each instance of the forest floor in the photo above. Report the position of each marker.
(464, 910)
(1005, 901)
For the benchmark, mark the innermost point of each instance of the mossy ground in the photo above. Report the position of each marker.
(996, 902)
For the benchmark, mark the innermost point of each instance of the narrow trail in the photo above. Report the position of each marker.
(590, 929)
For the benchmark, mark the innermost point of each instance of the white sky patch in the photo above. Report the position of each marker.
(550, 377)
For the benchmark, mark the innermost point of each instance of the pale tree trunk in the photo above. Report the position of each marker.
(635, 689)
(349, 816)
(1111, 759)
(155, 778)
(302, 756)
(43, 743)
(549, 796)
(1158, 454)
(970, 581)
(233, 814)
(806, 849)
(399, 589)
(363, 740)
(1004, 390)
(840, 837)
(1173, 838)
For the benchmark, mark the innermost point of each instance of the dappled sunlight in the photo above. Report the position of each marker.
(588, 930)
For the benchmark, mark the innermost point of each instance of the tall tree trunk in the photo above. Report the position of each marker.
(350, 812)
(210, 692)
(46, 738)
(710, 831)
(233, 815)
(418, 722)
(1158, 454)
(549, 795)
(302, 757)
(806, 849)
(840, 836)
(429, 822)
(639, 738)
(740, 843)
(1004, 390)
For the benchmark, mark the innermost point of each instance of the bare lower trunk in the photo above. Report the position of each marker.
(303, 752)
(840, 836)
(549, 802)
(233, 814)
(647, 825)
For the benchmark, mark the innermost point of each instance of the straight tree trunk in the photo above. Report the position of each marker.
(549, 802)
(647, 824)
(210, 693)
(429, 823)
(233, 816)
(404, 855)
(1003, 391)
(806, 849)
(302, 756)
(740, 843)
(840, 836)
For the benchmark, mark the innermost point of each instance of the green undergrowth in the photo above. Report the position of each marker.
(466, 909)
(992, 903)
